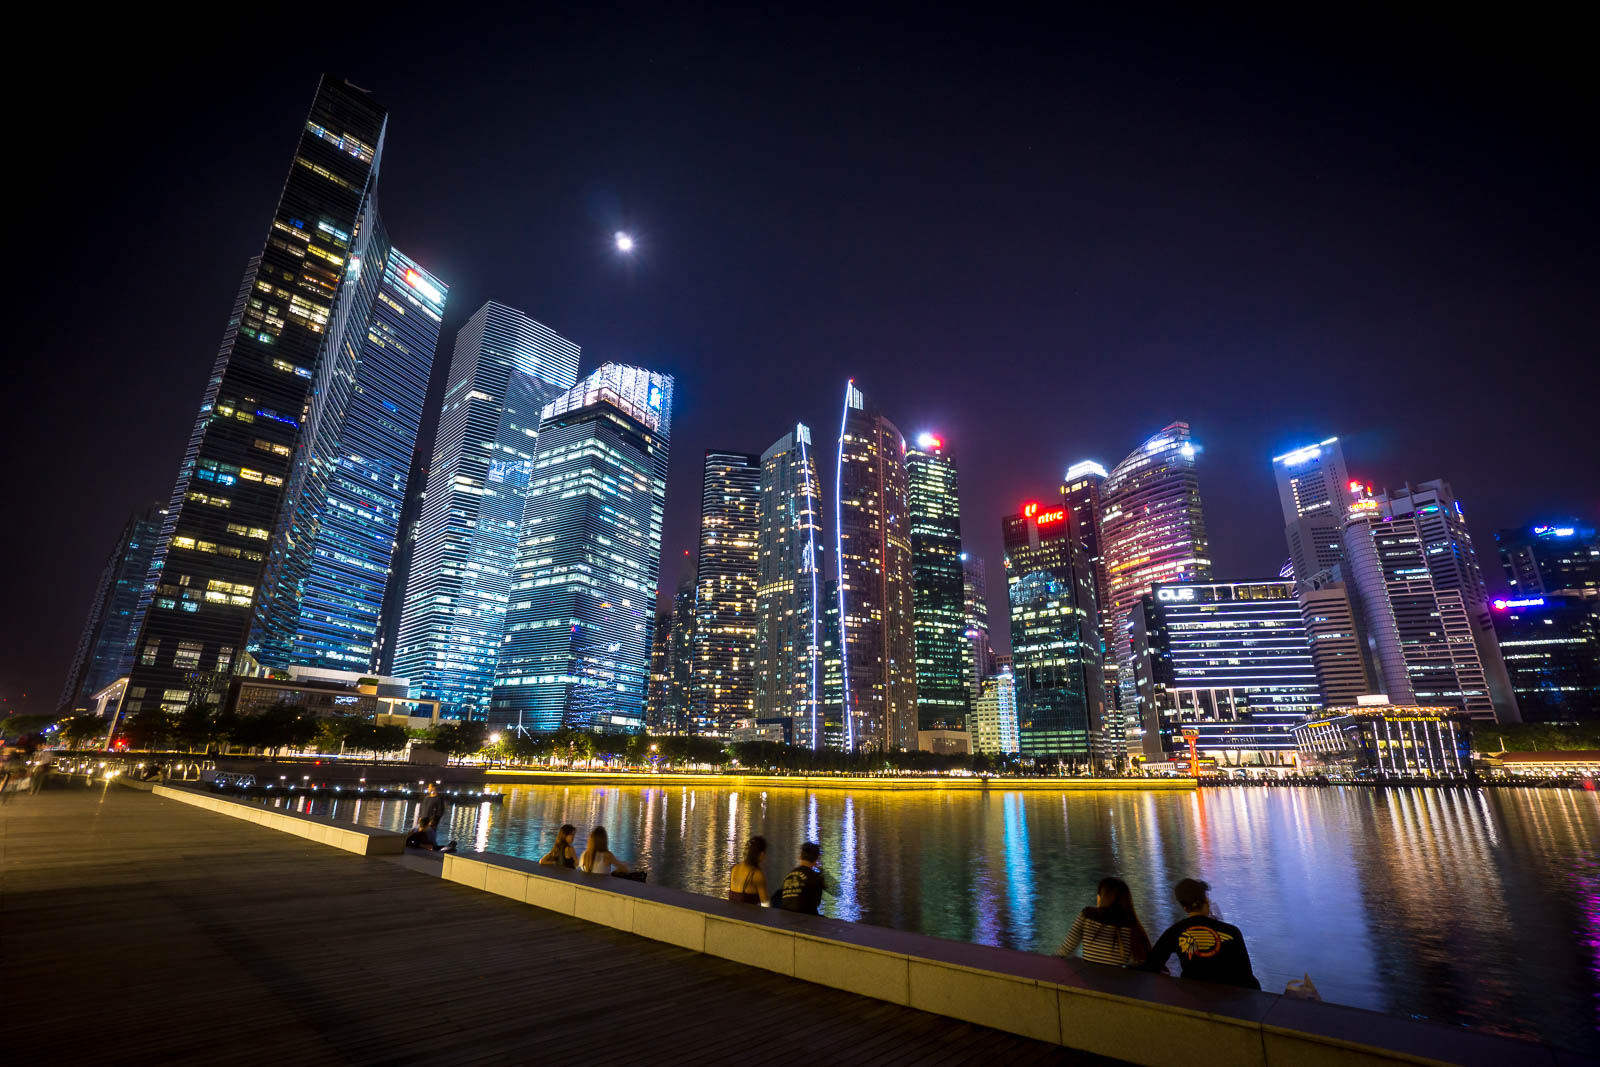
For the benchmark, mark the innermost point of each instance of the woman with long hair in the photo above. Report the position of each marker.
(597, 857)
(1110, 931)
(747, 884)
(562, 854)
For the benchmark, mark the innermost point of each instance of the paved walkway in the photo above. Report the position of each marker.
(142, 930)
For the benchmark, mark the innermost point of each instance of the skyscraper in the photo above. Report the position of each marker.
(503, 371)
(1055, 638)
(1556, 556)
(723, 691)
(208, 563)
(1420, 635)
(332, 555)
(872, 536)
(583, 594)
(105, 649)
(938, 588)
(667, 699)
(1314, 494)
(789, 606)
(1080, 494)
(1453, 562)
(1551, 645)
(975, 594)
(1229, 661)
(993, 726)
(1338, 650)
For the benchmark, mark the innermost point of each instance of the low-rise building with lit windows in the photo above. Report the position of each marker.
(1377, 739)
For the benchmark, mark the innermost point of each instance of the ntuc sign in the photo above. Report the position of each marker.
(1031, 510)
(1175, 595)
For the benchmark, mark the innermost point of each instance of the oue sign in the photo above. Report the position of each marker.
(1174, 594)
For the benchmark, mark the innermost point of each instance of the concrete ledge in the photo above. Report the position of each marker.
(340, 835)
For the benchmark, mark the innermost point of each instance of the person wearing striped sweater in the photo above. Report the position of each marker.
(1109, 932)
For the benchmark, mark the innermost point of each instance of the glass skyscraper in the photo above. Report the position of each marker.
(583, 594)
(666, 702)
(105, 650)
(330, 562)
(1551, 645)
(938, 589)
(872, 558)
(723, 691)
(1314, 494)
(789, 589)
(1554, 556)
(290, 309)
(975, 594)
(504, 370)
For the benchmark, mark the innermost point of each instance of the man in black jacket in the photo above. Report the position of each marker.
(431, 808)
(803, 887)
(1208, 949)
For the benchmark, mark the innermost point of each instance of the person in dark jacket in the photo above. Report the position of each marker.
(803, 887)
(431, 809)
(1208, 949)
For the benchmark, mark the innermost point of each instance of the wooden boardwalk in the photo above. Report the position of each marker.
(139, 930)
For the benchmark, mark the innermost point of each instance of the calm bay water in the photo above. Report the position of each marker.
(1477, 907)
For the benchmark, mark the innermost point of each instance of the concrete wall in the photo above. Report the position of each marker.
(357, 839)
(1140, 1018)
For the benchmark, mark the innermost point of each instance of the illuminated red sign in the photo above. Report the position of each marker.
(1355, 485)
(1030, 509)
(1045, 518)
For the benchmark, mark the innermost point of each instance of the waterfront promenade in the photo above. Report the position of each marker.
(142, 930)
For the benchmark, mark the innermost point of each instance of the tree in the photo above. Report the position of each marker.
(194, 727)
(147, 729)
(81, 731)
(456, 738)
(389, 738)
(280, 726)
(19, 726)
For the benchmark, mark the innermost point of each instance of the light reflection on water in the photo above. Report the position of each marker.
(1469, 906)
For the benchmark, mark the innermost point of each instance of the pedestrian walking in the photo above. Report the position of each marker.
(41, 771)
(1110, 931)
(1208, 949)
(747, 884)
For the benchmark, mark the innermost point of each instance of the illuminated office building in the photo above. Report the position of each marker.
(666, 705)
(1453, 562)
(993, 725)
(1551, 645)
(975, 594)
(1314, 493)
(583, 593)
(105, 649)
(1420, 635)
(938, 593)
(292, 307)
(505, 368)
(1338, 650)
(1555, 556)
(1229, 662)
(1055, 638)
(789, 668)
(872, 557)
(331, 559)
(1080, 494)
(724, 688)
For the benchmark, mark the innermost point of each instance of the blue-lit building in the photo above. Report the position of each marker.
(329, 566)
(505, 368)
(1551, 647)
(1229, 662)
(583, 594)
(105, 650)
(1554, 556)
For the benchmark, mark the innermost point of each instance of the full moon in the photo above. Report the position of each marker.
(624, 242)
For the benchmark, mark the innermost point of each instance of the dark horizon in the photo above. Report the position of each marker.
(1042, 241)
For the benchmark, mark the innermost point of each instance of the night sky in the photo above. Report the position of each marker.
(1043, 241)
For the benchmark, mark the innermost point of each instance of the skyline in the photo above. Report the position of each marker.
(812, 278)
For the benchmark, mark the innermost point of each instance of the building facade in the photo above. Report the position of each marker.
(666, 707)
(105, 648)
(789, 609)
(942, 649)
(1055, 638)
(1376, 739)
(207, 566)
(872, 560)
(1228, 665)
(1559, 556)
(1338, 649)
(975, 594)
(993, 726)
(1080, 494)
(1551, 646)
(724, 688)
(583, 594)
(505, 368)
(332, 556)
(1314, 493)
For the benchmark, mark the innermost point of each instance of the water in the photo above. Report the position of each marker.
(1475, 907)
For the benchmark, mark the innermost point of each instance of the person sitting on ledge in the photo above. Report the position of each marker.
(803, 887)
(1110, 932)
(422, 837)
(597, 857)
(1208, 949)
(562, 854)
(747, 884)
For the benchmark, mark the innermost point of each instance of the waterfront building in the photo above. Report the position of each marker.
(789, 588)
(1228, 664)
(582, 604)
(1551, 646)
(1080, 494)
(328, 693)
(872, 558)
(724, 688)
(975, 596)
(1560, 556)
(1314, 493)
(672, 656)
(833, 729)
(105, 648)
(938, 586)
(1420, 635)
(291, 309)
(1055, 638)
(1376, 739)
(1453, 562)
(1338, 651)
(331, 558)
(505, 368)
(993, 725)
